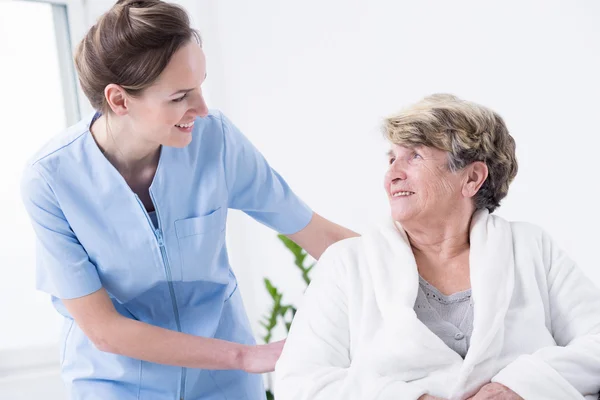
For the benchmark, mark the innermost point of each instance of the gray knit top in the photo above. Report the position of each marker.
(449, 317)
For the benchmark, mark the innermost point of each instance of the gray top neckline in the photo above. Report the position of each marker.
(441, 297)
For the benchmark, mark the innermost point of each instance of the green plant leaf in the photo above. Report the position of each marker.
(270, 288)
(284, 313)
(291, 245)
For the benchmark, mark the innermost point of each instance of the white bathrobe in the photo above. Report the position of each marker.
(356, 336)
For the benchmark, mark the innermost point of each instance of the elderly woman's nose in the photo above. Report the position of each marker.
(397, 168)
(393, 176)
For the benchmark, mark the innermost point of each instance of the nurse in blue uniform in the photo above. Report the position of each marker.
(129, 208)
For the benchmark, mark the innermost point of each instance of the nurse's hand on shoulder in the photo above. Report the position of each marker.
(261, 358)
(495, 391)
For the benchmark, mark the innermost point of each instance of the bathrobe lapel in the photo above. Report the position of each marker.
(395, 278)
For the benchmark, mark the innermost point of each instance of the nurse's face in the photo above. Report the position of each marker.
(166, 111)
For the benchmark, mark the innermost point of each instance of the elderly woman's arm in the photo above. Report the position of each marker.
(572, 367)
(316, 363)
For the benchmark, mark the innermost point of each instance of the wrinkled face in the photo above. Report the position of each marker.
(165, 112)
(419, 185)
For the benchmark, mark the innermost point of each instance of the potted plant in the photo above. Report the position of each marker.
(281, 313)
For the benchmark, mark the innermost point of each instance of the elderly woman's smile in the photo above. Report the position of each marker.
(402, 194)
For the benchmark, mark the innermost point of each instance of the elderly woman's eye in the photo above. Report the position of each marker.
(416, 156)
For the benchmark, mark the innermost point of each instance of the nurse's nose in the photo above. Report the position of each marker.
(201, 108)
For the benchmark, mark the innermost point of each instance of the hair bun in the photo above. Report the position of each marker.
(138, 3)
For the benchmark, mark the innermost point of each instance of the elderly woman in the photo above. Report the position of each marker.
(446, 300)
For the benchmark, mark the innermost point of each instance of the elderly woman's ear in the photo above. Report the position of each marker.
(476, 174)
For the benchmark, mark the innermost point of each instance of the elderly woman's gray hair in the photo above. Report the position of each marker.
(468, 132)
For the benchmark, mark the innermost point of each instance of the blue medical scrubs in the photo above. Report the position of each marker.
(93, 231)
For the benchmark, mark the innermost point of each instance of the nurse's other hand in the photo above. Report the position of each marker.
(495, 391)
(261, 358)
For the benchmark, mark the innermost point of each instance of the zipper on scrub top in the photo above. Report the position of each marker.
(163, 252)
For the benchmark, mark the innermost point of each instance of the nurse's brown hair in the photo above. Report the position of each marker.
(130, 45)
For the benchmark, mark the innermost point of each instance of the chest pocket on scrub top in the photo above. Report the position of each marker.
(201, 241)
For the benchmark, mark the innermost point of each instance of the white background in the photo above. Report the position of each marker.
(309, 82)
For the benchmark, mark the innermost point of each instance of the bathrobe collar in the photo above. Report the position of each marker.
(395, 277)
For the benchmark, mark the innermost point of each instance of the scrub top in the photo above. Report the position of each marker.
(93, 231)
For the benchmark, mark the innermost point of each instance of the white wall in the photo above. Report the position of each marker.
(309, 82)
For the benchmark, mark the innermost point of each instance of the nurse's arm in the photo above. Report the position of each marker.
(113, 333)
(319, 234)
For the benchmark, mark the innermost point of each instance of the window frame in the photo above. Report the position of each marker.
(70, 24)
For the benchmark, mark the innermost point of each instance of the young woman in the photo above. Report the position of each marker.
(129, 208)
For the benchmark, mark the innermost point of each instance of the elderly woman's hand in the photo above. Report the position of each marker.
(495, 391)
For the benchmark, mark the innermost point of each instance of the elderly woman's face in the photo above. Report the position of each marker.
(420, 185)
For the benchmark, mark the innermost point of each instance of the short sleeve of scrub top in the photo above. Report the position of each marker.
(63, 266)
(258, 190)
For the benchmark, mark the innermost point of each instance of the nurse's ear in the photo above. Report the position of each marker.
(116, 98)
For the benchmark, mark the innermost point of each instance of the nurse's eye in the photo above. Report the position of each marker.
(391, 160)
(177, 100)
